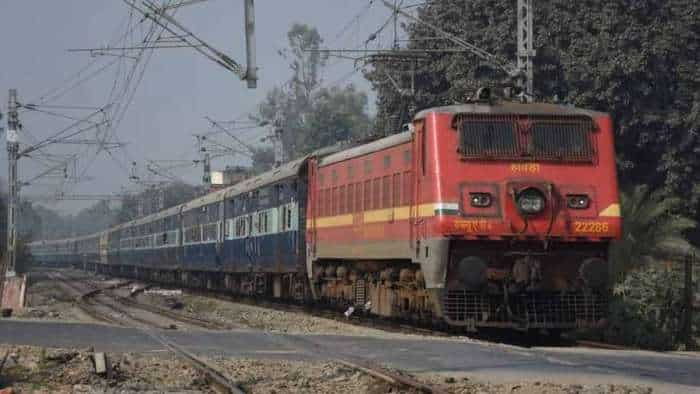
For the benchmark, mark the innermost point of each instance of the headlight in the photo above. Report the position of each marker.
(480, 200)
(577, 201)
(530, 201)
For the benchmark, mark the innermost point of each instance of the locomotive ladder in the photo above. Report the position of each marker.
(360, 290)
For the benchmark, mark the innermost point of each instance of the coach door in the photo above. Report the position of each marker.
(418, 170)
(220, 233)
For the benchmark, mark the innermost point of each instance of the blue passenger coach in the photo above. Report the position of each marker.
(247, 238)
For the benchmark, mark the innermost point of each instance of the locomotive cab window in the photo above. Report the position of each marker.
(563, 139)
(488, 137)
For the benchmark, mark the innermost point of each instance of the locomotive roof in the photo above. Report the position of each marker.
(365, 149)
(509, 108)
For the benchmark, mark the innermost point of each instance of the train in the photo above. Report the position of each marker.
(487, 214)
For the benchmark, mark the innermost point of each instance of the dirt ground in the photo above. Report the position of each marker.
(37, 370)
(46, 300)
(250, 316)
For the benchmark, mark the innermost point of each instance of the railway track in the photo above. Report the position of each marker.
(357, 319)
(87, 301)
(87, 297)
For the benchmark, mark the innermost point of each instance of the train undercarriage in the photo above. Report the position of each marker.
(555, 287)
(527, 288)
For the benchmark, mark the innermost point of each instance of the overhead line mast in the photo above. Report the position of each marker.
(180, 33)
(13, 128)
(526, 45)
(523, 71)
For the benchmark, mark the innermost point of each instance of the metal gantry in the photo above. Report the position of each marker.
(522, 71)
(181, 37)
(526, 45)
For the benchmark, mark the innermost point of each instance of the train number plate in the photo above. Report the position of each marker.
(591, 227)
(472, 226)
(525, 168)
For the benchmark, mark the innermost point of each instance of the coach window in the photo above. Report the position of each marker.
(322, 203)
(279, 189)
(327, 203)
(334, 175)
(386, 192)
(407, 187)
(376, 193)
(368, 166)
(321, 178)
(368, 195)
(396, 188)
(334, 202)
(358, 197)
(283, 224)
(407, 157)
(424, 152)
(351, 198)
(387, 162)
(351, 171)
(341, 201)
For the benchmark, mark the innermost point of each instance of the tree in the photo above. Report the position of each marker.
(653, 230)
(310, 115)
(635, 59)
(646, 310)
(146, 202)
(263, 159)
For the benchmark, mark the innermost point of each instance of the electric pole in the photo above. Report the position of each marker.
(526, 47)
(688, 303)
(522, 72)
(13, 128)
(277, 144)
(251, 72)
(206, 178)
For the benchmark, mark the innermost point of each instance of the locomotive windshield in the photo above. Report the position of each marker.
(526, 137)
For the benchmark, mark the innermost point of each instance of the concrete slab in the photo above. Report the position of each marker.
(14, 292)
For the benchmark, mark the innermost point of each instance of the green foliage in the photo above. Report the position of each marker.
(647, 309)
(653, 231)
(634, 59)
(310, 115)
(146, 202)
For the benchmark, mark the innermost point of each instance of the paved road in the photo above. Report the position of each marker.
(668, 373)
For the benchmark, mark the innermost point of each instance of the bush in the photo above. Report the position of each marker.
(646, 310)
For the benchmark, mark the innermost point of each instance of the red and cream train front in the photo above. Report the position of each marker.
(482, 215)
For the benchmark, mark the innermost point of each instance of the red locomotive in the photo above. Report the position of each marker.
(480, 215)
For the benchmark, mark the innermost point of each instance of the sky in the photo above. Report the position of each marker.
(179, 87)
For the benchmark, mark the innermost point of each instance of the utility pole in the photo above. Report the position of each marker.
(688, 303)
(277, 144)
(206, 178)
(522, 72)
(526, 47)
(251, 72)
(13, 128)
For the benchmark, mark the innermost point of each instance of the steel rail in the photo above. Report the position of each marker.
(215, 378)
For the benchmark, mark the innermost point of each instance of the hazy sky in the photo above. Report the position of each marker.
(179, 86)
